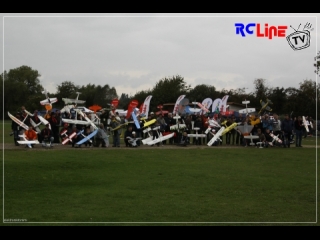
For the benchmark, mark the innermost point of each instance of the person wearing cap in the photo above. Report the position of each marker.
(47, 136)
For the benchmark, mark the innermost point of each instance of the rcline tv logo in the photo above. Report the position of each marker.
(269, 32)
(300, 39)
(297, 40)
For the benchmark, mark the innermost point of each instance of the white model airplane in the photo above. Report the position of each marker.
(44, 121)
(148, 139)
(260, 144)
(216, 136)
(25, 141)
(305, 124)
(275, 138)
(133, 141)
(66, 137)
(48, 101)
(246, 110)
(160, 137)
(178, 125)
(16, 120)
(36, 126)
(86, 118)
(251, 137)
(71, 100)
(197, 135)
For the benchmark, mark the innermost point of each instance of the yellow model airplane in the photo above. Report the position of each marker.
(147, 123)
(265, 106)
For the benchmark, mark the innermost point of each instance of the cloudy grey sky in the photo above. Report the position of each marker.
(132, 52)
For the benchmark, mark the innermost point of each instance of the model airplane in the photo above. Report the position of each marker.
(275, 138)
(133, 141)
(86, 118)
(251, 137)
(44, 121)
(216, 136)
(19, 122)
(260, 144)
(244, 129)
(28, 142)
(134, 117)
(87, 138)
(66, 137)
(246, 110)
(265, 106)
(229, 128)
(75, 101)
(305, 124)
(36, 126)
(48, 101)
(160, 137)
(203, 108)
(212, 124)
(147, 123)
(197, 135)
(149, 138)
(162, 112)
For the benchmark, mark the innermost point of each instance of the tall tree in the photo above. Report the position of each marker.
(66, 89)
(202, 91)
(167, 90)
(25, 84)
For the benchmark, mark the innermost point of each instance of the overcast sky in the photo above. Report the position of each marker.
(132, 52)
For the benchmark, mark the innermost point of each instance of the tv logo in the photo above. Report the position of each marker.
(300, 39)
(269, 32)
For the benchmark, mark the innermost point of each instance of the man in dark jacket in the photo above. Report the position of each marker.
(286, 128)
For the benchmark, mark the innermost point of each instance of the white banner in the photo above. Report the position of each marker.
(175, 109)
(146, 105)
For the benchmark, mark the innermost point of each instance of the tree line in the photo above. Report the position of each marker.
(21, 86)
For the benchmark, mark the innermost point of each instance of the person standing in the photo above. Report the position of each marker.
(116, 133)
(286, 128)
(299, 127)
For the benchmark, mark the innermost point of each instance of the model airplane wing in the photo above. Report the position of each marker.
(247, 110)
(28, 142)
(197, 135)
(149, 123)
(68, 138)
(136, 122)
(86, 118)
(178, 126)
(229, 128)
(245, 129)
(216, 136)
(48, 101)
(305, 124)
(71, 100)
(16, 120)
(35, 126)
(74, 121)
(160, 139)
(86, 138)
(251, 137)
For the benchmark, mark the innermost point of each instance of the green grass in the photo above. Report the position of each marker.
(210, 186)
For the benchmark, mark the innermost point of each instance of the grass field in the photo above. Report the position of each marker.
(157, 186)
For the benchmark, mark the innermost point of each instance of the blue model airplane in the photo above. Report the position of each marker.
(135, 120)
(86, 138)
